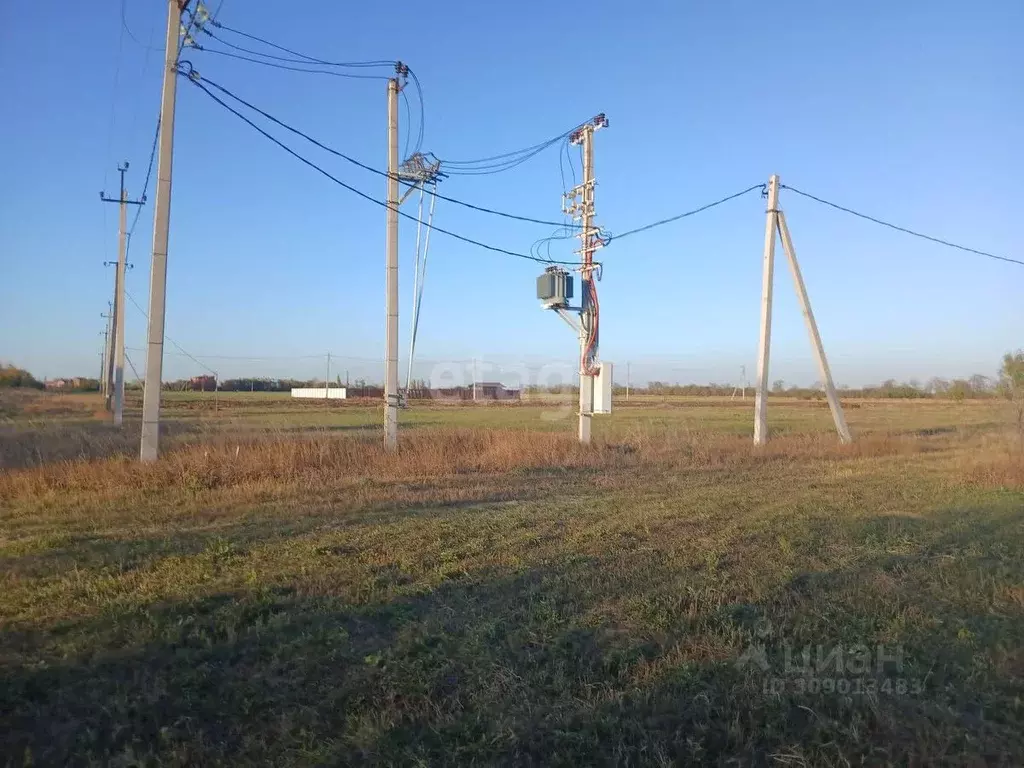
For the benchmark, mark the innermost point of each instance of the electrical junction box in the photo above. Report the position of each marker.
(603, 389)
(554, 288)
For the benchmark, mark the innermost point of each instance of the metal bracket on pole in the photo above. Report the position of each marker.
(566, 314)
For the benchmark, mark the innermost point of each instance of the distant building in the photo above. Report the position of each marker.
(492, 390)
(76, 382)
(320, 393)
(202, 383)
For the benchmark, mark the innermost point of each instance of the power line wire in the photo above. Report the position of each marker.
(506, 155)
(126, 28)
(176, 344)
(423, 109)
(245, 358)
(352, 160)
(408, 123)
(276, 65)
(132, 366)
(695, 211)
(314, 59)
(898, 228)
(350, 188)
(113, 98)
(145, 187)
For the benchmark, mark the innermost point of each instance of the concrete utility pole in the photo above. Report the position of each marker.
(812, 329)
(588, 312)
(103, 362)
(391, 276)
(150, 445)
(764, 345)
(627, 381)
(108, 395)
(118, 319)
(107, 371)
(776, 222)
(327, 379)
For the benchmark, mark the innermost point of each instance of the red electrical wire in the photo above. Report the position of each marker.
(591, 370)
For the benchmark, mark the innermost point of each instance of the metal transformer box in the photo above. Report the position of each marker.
(554, 288)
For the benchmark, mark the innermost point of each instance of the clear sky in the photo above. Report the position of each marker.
(911, 111)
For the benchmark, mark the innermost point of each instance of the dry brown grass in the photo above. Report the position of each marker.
(997, 460)
(325, 458)
(35, 405)
(313, 459)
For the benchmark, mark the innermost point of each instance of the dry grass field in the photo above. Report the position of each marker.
(279, 590)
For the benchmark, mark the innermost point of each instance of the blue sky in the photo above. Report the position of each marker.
(910, 111)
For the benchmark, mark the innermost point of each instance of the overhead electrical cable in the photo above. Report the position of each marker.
(355, 162)
(502, 162)
(423, 110)
(302, 66)
(677, 217)
(199, 84)
(124, 25)
(299, 58)
(145, 187)
(898, 228)
(314, 59)
(176, 344)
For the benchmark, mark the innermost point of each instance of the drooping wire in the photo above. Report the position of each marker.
(314, 59)
(112, 122)
(898, 228)
(339, 182)
(132, 366)
(352, 160)
(684, 215)
(419, 277)
(502, 162)
(124, 25)
(408, 123)
(145, 188)
(545, 243)
(486, 170)
(176, 344)
(419, 95)
(303, 68)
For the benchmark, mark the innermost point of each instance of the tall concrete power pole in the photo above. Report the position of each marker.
(150, 445)
(589, 243)
(106, 372)
(776, 223)
(117, 346)
(391, 276)
(765, 341)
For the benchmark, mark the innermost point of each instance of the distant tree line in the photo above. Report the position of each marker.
(12, 376)
(1008, 385)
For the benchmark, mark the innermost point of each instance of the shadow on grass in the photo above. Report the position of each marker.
(50, 557)
(544, 665)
